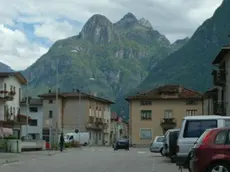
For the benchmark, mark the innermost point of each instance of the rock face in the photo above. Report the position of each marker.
(117, 55)
(191, 65)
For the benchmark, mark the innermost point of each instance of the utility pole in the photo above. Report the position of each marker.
(79, 114)
(57, 107)
(27, 107)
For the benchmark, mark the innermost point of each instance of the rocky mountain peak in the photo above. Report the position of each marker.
(98, 29)
(127, 21)
(145, 23)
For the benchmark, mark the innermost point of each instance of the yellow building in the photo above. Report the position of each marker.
(154, 112)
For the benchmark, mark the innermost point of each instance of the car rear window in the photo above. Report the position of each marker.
(202, 136)
(160, 139)
(195, 128)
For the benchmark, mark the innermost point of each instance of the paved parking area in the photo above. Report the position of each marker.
(96, 159)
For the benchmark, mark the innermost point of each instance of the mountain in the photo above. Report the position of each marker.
(5, 68)
(107, 59)
(191, 65)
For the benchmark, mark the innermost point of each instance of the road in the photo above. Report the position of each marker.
(96, 159)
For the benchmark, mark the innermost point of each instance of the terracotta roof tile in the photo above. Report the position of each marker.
(168, 92)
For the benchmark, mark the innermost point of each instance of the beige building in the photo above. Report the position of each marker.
(76, 110)
(154, 112)
(221, 79)
(119, 128)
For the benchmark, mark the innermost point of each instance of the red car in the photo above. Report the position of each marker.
(211, 152)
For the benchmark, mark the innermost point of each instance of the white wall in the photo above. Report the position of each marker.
(34, 115)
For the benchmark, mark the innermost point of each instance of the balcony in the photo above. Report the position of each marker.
(219, 78)
(219, 108)
(168, 123)
(11, 120)
(6, 96)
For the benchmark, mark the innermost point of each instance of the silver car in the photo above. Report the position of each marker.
(157, 145)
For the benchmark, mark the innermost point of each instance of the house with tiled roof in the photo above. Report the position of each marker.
(153, 112)
(67, 111)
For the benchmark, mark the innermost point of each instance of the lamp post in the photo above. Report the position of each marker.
(57, 107)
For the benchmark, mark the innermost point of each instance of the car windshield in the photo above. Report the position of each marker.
(160, 139)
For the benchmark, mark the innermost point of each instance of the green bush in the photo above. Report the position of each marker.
(67, 145)
(10, 138)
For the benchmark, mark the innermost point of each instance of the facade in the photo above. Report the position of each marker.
(154, 112)
(35, 111)
(119, 128)
(76, 110)
(221, 79)
(10, 96)
(210, 102)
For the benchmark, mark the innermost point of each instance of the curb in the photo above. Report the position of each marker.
(8, 162)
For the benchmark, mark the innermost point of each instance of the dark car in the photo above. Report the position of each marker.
(121, 144)
(211, 151)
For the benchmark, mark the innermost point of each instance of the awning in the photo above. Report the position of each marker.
(5, 132)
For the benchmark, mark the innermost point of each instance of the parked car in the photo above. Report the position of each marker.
(192, 128)
(211, 152)
(170, 143)
(121, 144)
(157, 145)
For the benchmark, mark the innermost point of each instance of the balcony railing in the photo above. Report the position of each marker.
(6, 95)
(219, 77)
(168, 122)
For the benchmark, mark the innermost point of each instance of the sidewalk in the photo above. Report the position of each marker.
(24, 156)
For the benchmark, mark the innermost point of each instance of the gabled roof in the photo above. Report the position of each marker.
(221, 55)
(18, 75)
(76, 95)
(168, 92)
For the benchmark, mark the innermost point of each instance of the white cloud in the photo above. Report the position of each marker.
(174, 18)
(15, 49)
(55, 30)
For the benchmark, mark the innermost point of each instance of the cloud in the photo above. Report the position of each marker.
(54, 30)
(56, 19)
(15, 49)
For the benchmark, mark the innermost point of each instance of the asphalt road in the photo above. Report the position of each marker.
(96, 159)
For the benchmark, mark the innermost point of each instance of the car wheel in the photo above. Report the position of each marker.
(161, 151)
(220, 166)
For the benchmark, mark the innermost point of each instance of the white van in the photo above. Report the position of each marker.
(193, 127)
(82, 137)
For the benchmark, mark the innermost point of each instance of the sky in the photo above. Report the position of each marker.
(29, 27)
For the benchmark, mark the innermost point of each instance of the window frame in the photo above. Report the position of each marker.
(146, 114)
(168, 110)
(140, 134)
(32, 108)
(32, 125)
(191, 112)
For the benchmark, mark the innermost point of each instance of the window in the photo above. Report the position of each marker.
(191, 102)
(191, 112)
(146, 102)
(33, 122)
(228, 139)
(221, 138)
(146, 115)
(50, 101)
(168, 114)
(195, 128)
(50, 114)
(160, 139)
(146, 133)
(33, 109)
